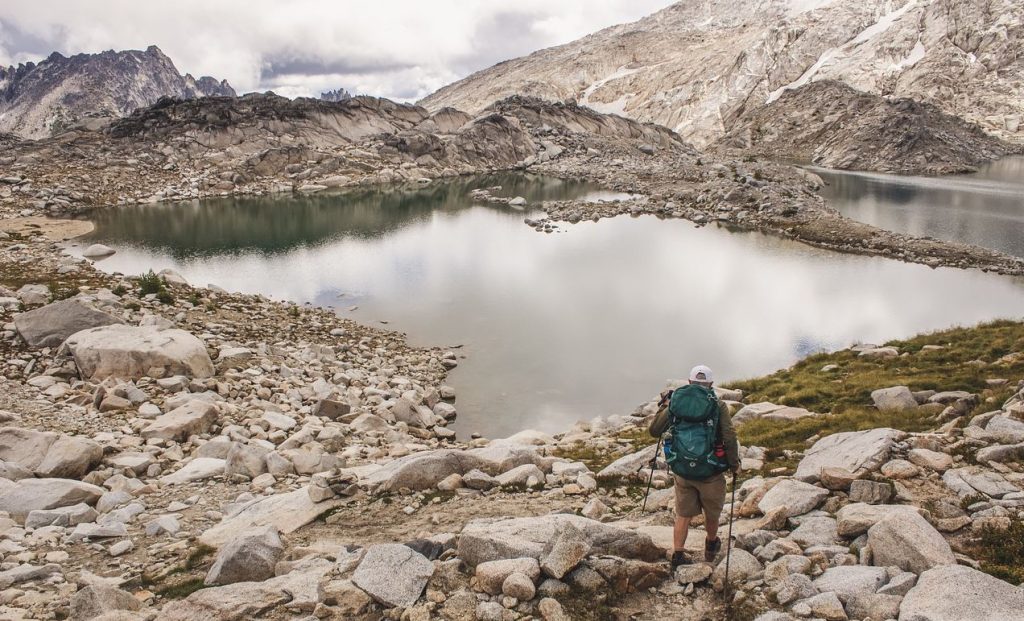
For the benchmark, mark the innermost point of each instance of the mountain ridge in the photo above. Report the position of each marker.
(700, 67)
(41, 99)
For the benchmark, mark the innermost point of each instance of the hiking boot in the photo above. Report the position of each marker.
(711, 549)
(679, 558)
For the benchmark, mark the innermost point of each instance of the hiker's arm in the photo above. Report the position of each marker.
(660, 423)
(732, 446)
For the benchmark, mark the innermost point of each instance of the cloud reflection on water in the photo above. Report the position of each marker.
(590, 321)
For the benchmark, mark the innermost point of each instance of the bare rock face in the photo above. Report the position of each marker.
(831, 124)
(698, 67)
(41, 99)
(130, 352)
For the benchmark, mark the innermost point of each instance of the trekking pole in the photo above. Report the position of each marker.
(654, 465)
(728, 542)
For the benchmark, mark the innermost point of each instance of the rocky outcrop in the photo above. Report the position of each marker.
(45, 98)
(854, 451)
(129, 352)
(698, 68)
(830, 124)
(50, 325)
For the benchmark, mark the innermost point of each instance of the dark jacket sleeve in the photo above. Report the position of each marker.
(727, 435)
(660, 423)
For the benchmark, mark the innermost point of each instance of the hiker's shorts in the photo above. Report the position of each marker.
(693, 497)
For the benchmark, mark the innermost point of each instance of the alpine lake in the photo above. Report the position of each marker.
(595, 318)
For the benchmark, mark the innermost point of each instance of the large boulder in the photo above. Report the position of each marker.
(909, 542)
(856, 518)
(848, 581)
(858, 452)
(1004, 429)
(70, 457)
(130, 352)
(499, 457)
(895, 399)
(193, 418)
(425, 470)
(489, 539)
(95, 600)
(393, 574)
(491, 575)
(972, 480)
(301, 589)
(628, 465)
(564, 552)
(25, 447)
(250, 557)
(957, 593)
(287, 512)
(796, 496)
(196, 470)
(50, 325)
(31, 494)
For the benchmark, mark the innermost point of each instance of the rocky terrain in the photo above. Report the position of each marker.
(832, 125)
(170, 452)
(38, 100)
(261, 143)
(700, 67)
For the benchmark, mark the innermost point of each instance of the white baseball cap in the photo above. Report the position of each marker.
(701, 373)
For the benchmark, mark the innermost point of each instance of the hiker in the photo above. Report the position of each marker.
(701, 448)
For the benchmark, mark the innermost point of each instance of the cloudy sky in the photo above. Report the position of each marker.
(401, 49)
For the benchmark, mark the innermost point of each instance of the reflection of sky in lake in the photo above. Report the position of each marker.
(985, 209)
(590, 321)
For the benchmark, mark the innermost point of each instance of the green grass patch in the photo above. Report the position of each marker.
(1001, 552)
(794, 434)
(61, 291)
(597, 458)
(182, 589)
(845, 393)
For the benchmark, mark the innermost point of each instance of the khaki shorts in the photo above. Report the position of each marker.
(694, 497)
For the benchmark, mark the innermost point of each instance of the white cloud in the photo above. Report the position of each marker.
(402, 49)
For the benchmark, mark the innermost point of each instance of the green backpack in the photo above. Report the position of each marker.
(693, 414)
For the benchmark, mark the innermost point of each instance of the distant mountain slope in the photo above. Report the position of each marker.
(831, 124)
(38, 100)
(700, 65)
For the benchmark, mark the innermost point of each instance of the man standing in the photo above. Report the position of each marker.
(702, 446)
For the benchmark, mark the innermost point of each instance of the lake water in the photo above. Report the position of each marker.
(984, 208)
(555, 327)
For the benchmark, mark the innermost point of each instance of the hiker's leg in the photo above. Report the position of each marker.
(682, 528)
(712, 500)
(711, 526)
(687, 506)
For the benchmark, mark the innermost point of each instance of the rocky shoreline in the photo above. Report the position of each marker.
(258, 459)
